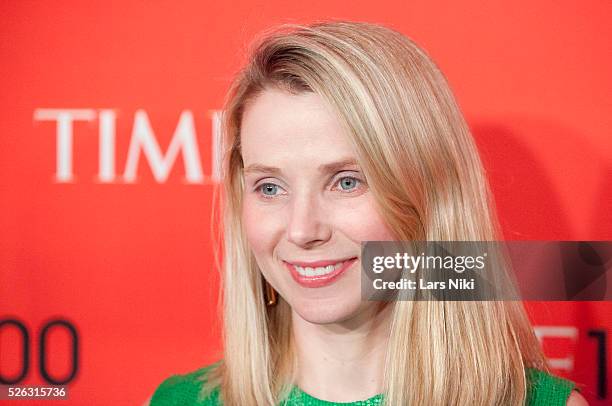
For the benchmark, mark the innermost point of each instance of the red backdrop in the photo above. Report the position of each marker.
(116, 241)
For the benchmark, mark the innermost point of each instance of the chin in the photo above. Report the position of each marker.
(326, 313)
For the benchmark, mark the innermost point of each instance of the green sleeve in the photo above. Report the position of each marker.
(546, 389)
(185, 390)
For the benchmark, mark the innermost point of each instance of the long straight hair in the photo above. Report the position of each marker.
(424, 171)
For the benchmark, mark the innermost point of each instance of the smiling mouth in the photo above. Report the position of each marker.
(317, 276)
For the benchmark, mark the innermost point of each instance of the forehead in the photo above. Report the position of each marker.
(278, 125)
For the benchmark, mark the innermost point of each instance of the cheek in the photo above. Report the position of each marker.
(362, 222)
(262, 229)
(260, 226)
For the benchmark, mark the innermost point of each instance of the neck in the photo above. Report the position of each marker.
(344, 361)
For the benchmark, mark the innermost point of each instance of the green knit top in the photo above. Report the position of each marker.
(184, 390)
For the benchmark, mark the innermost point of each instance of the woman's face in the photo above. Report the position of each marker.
(307, 206)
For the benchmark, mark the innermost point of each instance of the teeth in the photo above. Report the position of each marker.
(318, 271)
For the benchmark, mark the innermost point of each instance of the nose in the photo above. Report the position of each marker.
(308, 225)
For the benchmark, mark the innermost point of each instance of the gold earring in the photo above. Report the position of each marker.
(269, 294)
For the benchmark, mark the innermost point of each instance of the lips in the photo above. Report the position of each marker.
(305, 277)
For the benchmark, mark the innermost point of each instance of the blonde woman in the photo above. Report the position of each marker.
(337, 133)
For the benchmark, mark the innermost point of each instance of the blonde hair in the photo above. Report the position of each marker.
(423, 169)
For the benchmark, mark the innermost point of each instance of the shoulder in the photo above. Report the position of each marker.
(186, 390)
(547, 389)
(576, 399)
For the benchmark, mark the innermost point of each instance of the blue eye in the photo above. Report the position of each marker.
(348, 183)
(268, 187)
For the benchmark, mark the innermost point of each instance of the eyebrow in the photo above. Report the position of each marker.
(324, 168)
